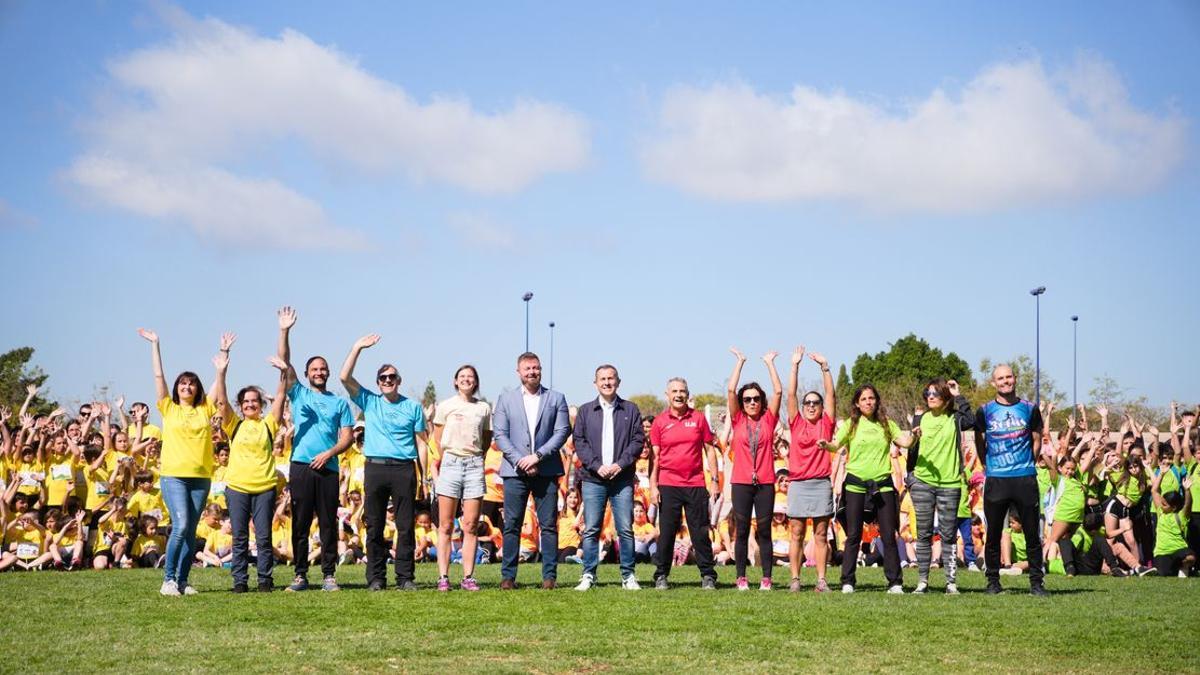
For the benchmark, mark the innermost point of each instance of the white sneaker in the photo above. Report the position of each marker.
(585, 583)
(847, 588)
(630, 583)
(169, 588)
(896, 590)
(973, 568)
(1182, 574)
(921, 587)
(190, 590)
(1010, 571)
(951, 589)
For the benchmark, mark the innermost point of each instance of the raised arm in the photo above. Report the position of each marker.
(220, 394)
(287, 319)
(280, 391)
(776, 385)
(1156, 486)
(793, 400)
(31, 390)
(827, 383)
(739, 360)
(347, 376)
(6, 441)
(160, 380)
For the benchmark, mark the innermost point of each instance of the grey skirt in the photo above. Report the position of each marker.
(812, 498)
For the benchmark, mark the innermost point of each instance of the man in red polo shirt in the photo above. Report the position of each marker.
(682, 440)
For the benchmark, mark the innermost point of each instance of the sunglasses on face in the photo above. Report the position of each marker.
(751, 399)
(932, 393)
(812, 402)
(389, 377)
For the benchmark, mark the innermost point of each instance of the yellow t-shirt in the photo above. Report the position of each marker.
(28, 541)
(205, 531)
(31, 475)
(149, 503)
(60, 470)
(216, 489)
(646, 530)
(251, 465)
(148, 431)
(281, 532)
(219, 542)
(428, 535)
(143, 544)
(98, 487)
(187, 445)
(354, 463)
(107, 533)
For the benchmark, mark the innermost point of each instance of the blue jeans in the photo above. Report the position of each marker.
(545, 503)
(968, 544)
(184, 498)
(596, 497)
(243, 507)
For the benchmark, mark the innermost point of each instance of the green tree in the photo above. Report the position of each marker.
(843, 389)
(15, 375)
(901, 371)
(648, 404)
(1025, 372)
(430, 396)
(715, 400)
(1110, 394)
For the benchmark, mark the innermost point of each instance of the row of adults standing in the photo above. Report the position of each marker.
(530, 425)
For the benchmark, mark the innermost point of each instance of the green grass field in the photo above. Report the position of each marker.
(115, 620)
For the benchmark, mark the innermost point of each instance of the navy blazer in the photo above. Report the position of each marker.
(510, 429)
(627, 438)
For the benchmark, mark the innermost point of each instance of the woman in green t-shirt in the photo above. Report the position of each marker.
(865, 444)
(936, 473)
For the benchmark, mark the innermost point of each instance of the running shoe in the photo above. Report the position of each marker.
(742, 584)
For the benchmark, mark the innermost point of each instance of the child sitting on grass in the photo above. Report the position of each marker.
(148, 548)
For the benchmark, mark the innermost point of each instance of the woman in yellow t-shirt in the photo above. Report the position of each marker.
(187, 456)
(250, 478)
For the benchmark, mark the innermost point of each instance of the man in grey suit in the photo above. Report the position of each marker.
(530, 426)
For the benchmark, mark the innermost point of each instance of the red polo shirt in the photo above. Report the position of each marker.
(679, 443)
(747, 464)
(805, 460)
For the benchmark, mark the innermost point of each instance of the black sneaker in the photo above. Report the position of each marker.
(266, 586)
(660, 584)
(1118, 572)
(375, 586)
(240, 588)
(993, 588)
(1039, 591)
(406, 586)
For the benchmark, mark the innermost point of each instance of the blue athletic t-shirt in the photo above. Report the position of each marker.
(1008, 438)
(318, 418)
(391, 427)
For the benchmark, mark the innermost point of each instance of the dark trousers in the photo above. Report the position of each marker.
(1193, 533)
(1021, 495)
(397, 482)
(693, 501)
(314, 492)
(242, 507)
(494, 512)
(545, 503)
(888, 519)
(760, 498)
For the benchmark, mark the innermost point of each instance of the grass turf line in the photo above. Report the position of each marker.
(115, 620)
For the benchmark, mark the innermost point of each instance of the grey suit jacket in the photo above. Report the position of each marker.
(511, 430)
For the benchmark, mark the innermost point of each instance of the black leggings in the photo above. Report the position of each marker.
(760, 498)
(888, 518)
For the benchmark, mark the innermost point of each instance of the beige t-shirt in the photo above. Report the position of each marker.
(465, 423)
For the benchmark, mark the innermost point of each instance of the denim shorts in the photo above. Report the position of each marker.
(461, 477)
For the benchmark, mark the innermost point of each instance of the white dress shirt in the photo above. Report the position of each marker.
(532, 401)
(606, 435)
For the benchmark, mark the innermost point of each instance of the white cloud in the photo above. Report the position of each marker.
(178, 115)
(1013, 136)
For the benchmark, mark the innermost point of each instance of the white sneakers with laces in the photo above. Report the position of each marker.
(585, 582)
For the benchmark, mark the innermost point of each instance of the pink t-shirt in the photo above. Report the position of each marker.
(746, 465)
(680, 443)
(805, 459)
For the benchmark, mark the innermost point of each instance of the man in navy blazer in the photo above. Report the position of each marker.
(608, 441)
(530, 426)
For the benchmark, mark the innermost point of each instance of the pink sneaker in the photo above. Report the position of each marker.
(443, 584)
(742, 584)
(469, 584)
(821, 587)
(765, 584)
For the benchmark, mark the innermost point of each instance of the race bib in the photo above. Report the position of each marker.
(27, 550)
(101, 488)
(157, 513)
(358, 475)
(29, 480)
(218, 488)
(60, 472)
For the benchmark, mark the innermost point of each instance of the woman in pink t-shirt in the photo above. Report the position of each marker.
(809, 489)
(810, 492)
(753, 419)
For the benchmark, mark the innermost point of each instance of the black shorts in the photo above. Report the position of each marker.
(1116, 509)
(1168, 565)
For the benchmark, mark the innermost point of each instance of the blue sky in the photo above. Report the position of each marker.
(669, 180)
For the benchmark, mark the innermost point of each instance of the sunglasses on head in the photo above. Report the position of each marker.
(389, 377)
(751, 399)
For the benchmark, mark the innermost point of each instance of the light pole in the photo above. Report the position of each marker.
(551, 354)
(1074, 362)
(1037, 358)
(527, 297)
